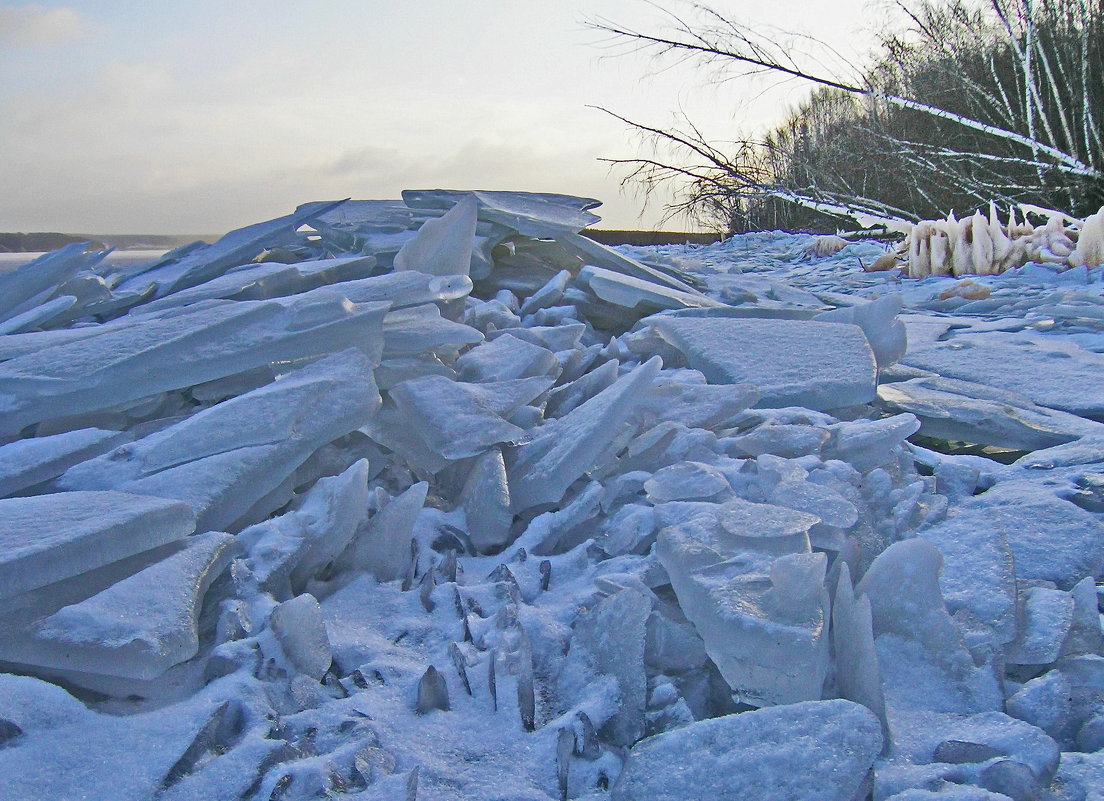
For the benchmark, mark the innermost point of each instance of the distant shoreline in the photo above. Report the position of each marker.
(41, 241)
(44, 241)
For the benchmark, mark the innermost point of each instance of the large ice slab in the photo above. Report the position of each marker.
(267, 280)
(967, 412)
(979, 573)
(794, 363)
(1051, 539)
(504, 358)
(69, 750)
(27, 462)
(644, 296)
(179, 350)
(1050, 371)
(46, 538)
(878, 320)
(813, 751)
(228, 457)
(235, 248)
(32, 284)
(137, 628)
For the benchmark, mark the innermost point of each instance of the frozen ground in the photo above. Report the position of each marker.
(439, 500)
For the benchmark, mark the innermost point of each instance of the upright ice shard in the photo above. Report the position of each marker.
(442, 246)
(383, 547)
(746, 579)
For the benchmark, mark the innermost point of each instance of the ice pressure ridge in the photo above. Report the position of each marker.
(437, 498)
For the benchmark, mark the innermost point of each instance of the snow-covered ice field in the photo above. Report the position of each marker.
(441, 500)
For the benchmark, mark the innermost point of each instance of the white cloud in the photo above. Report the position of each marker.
(33, 25)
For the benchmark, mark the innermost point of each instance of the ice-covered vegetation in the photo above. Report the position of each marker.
(959, 103)
(438, 499)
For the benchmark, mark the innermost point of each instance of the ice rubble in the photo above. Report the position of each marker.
(437, 498)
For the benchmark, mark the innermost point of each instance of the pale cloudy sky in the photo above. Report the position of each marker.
(197, 116)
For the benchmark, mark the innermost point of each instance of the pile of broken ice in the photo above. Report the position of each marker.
(439, 499)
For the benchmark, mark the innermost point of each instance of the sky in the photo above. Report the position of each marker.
(199, 116)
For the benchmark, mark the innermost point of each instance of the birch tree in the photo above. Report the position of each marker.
(968, 101)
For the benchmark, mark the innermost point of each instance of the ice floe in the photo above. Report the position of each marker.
(436, 498)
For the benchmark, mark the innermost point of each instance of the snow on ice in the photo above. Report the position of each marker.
(439, 499)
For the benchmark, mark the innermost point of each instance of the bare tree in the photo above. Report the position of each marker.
(968, 102)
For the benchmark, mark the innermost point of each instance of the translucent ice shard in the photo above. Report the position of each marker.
(452, 420)
(228, 457)
(815, 750)
(609, 639)
(442, 246)
(422, 329)
(285, 552)
(565, 448)
(646, 297)
(504, 358)
(857, 673)
(301, 631)
(45, 538)
(1045, 621)
(267, 280)
(485, 500)
(747, 581)
(139, 627)
(383, 547)
(794, 363)
(39, 316)
(536, 214)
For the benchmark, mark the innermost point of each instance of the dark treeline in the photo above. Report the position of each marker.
(965, 102)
